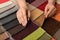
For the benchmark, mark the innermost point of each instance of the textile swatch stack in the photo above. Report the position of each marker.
(38, 28)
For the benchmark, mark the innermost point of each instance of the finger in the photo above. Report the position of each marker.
(24, 17)
(46, 10)
(52, 13)
(19, 19)
(50, 10)
(19, 16)
(28, 14)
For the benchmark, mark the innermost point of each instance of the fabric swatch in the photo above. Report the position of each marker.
(5, 4)
(6, 8)
(8, 12)
(8, 19)
(15, 29)
(50, 26)
(3, 1)
(57, 13)
(45, 36)
(57, 35)
(35, 14)
(11, 24)
(3, 36)
(40, 20)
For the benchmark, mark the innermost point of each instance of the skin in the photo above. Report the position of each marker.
(23, 9)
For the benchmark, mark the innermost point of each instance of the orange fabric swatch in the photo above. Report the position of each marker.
(57, 15)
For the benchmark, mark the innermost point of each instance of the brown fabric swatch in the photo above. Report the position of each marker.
(16, 29)
(51, 26)
(4, 36)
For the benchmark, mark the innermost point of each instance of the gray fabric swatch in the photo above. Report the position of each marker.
(11, 24)
(7, 19)
(9, 12)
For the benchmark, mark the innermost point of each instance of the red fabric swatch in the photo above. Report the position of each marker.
(42, 7)
(3, 1)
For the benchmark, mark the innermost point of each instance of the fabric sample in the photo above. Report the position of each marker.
(40, 20)
(15, 29)
(57, 35)
(31, 7)
(11, 24)
(42, 7)
(8, 18)
(36, 3)
(57, 13)
(3, 1)
(8, 12)
(2, 30)
(51, 26)
(35, 14)
(5, 4)
(37, 17)
(45, 36)
(3, 36)
(6, 8)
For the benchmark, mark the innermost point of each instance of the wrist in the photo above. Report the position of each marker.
(51, 2)
(21, 3)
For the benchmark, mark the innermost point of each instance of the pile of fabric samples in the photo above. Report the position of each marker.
(9, 24)
(38, 28)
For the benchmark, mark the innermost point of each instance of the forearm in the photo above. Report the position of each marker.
(21, 3)
(51, 1)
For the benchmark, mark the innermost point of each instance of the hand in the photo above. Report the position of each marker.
(49, 10)
(21, 15)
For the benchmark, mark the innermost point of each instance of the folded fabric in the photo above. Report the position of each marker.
(57, 13)
(40, 20)
(37, 16)
(2, 29)
(3, 1)
(29, 29)
(15, 29)
(51, 26)
(8, 18)
(6, 8)
(36, 3)
(57, 35)
(11, 24)
(31, 7)
(45, 36)
(42, 6)
(10, 11)
(4, 36)
(35, 35)
(4, 4)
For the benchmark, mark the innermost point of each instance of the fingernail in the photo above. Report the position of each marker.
(20, 22)
(24, 24)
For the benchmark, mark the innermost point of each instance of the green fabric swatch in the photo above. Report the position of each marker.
(35, 35)
(46, 36)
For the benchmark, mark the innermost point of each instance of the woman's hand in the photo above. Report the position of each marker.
(49, 10)
(23, 14)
